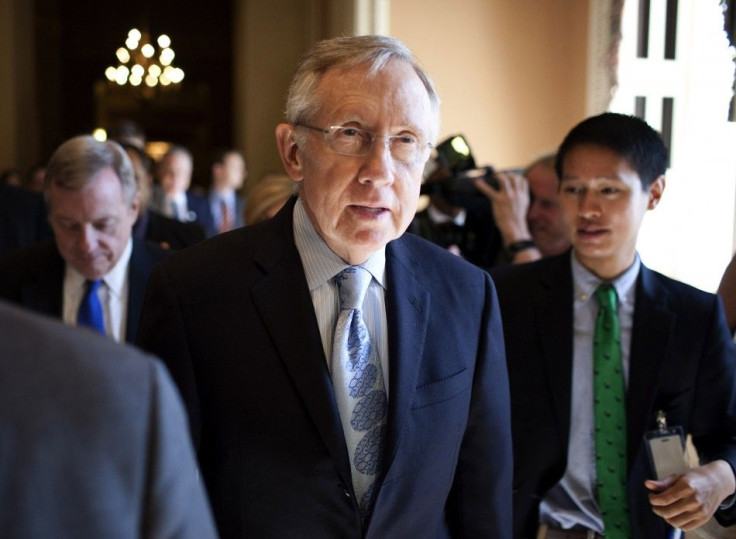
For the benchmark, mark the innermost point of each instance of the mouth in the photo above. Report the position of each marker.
(591, 232)
(369, 211)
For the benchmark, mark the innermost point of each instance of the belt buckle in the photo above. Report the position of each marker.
(589, 534)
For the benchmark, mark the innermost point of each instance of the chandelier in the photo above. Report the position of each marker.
(144, 65)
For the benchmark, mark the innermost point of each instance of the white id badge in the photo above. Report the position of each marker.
(666, 448)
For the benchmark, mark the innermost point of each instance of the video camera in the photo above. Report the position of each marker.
(456, 172)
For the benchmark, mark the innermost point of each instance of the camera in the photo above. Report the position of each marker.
(456, 173)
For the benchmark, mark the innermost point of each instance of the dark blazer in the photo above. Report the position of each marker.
(197, 206)
(682, 361)
(168, 233)
(233, 320)
(34, 278)
(92, 439)
(23, 219)
(200, 213)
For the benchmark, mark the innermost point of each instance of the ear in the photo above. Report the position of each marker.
(135, 205)
(289, 151)
(655, 192)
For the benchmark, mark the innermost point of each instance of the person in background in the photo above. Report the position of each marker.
(152, 226)
(526, 209)
(603, 352)
(94, 439)
(228, 174)
(171, 196)
(94, 274)
(128, 132)
(267, 197)
(11, 177)
(342, 378)
(36, 178)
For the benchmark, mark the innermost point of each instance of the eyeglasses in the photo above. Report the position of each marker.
(358, 142)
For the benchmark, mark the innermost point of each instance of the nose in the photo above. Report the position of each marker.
(589, 204)
(87, 241)
(533, 213)
(378, 165)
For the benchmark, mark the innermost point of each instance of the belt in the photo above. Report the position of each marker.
(545, 532)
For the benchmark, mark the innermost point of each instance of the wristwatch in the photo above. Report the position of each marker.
(513, 248)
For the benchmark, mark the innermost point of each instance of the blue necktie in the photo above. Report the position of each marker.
(357, 380)
(90, 310)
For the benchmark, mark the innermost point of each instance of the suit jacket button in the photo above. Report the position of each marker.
(347, 494)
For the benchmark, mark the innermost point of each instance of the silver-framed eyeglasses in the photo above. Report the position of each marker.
(354, 141)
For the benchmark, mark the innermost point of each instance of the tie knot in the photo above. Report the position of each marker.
(352, 283)
(92, 286)
(606, 296)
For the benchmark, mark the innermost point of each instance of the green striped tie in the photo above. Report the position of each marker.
(610, 417)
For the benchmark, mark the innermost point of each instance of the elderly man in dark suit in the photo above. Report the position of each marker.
(94, 439)
(94, 273)
(603, 351)
(343, 379)
(172, 197)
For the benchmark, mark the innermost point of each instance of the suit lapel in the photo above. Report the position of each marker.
(285, 305)
(651, 334)
(554, 322)
(407, 315)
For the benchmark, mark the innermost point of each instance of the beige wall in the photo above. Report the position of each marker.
(511, 73)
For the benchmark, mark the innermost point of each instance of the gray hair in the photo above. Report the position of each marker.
(177, 149)
(79, 159)
(345, 53)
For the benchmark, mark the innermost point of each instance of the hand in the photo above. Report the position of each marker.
(689, 500)
(510, 204)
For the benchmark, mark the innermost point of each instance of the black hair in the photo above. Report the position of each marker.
(628, 136)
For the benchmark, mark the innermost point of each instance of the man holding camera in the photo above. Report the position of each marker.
(526, 210)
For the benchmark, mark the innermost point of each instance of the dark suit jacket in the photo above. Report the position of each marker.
(93, 439)
(23, 219)
(682, 361)
(198, 207)
(167, 232)
(34, 278)
(200, 213)
(233, 320)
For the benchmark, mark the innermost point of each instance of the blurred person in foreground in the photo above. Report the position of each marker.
(94, 439)
(342, 378)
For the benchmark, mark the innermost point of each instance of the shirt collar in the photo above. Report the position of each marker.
(179, 198)
(585, 282)
(438, 217)
(320, 263)
(113, 279)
